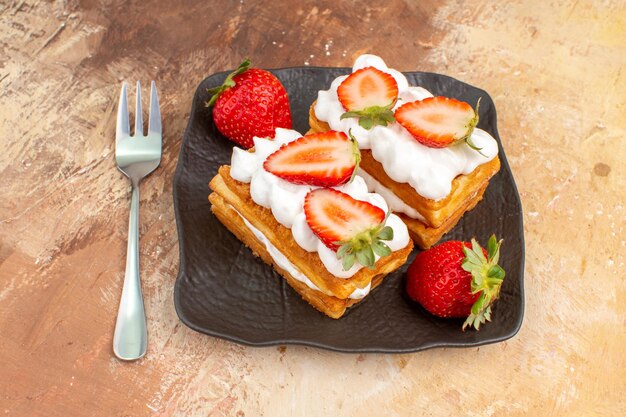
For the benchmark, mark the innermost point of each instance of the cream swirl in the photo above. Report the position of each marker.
(286, 200)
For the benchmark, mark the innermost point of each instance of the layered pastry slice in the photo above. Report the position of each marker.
(423, 154)
(297, 204)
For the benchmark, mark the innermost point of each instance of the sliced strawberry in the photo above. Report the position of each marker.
(369, 94)
(321, 159)
(354, 229)
(438, 122)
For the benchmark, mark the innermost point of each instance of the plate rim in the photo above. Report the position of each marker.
(297, 342)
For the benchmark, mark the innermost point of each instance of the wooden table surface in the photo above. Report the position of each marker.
(557, 72)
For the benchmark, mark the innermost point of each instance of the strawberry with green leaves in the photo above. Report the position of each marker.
(438, 122)
(354, 229)
(457, 279)
(369, 94)
(251, 102)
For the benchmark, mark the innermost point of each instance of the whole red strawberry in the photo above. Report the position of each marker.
(251, 102)
(457, 279)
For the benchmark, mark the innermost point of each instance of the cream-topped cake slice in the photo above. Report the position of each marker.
(312, 218)
(429, 179)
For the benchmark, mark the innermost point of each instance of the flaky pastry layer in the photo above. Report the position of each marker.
(237, 195)
(331, 306)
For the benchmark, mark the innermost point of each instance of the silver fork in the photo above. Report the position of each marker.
(136, 156)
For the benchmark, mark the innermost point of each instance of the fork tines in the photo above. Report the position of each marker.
(123, 120)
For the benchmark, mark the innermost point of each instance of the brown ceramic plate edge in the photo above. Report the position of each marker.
(440, 85)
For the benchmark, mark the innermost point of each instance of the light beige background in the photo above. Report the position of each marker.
(557, 72)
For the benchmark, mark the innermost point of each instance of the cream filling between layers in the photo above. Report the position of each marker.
(282, 261)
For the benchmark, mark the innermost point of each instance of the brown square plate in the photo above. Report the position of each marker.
(224, 291)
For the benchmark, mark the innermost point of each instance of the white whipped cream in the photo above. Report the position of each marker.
(429, 171)
(286, 200)
(395, 203)
(282, 261)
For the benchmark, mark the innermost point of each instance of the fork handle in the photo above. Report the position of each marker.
(130, 340)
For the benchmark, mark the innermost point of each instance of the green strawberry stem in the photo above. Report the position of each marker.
(487, 277)
(363, 247)
(357, 154)
(372, 116)
(228, 82)
(470, 129)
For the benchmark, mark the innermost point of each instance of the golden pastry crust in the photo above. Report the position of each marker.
(436, 213)
(236, 195)
(425, 237)
(439, 216)
(331, 306)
